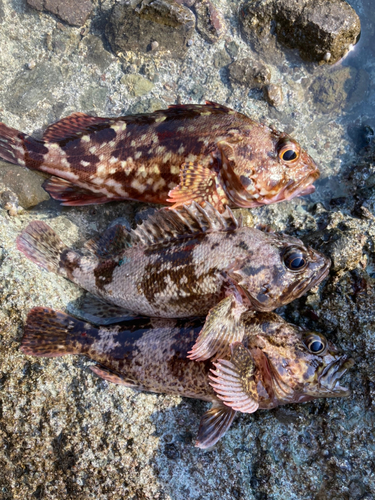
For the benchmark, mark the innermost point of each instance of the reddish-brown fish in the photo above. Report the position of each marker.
(274, 363)
(187, 152)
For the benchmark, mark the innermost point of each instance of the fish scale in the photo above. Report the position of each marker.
(185, 153)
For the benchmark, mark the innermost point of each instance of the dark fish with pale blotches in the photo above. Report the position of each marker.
(184, 263)
(187, 152)
(272, 364)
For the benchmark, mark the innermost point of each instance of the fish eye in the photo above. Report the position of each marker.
(288, 151)
(295, 259)
(315, 343)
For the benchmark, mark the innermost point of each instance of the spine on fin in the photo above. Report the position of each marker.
(51, 333)
(14, 144)
(41, 245)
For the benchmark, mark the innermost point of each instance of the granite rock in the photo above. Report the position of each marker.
(210, 22)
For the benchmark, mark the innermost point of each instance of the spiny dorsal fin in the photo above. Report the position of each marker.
(184, 222)
(72, 126)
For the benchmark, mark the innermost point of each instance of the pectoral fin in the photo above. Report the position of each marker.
(234, 380)
(223, 326)
(214, 424)
(197, 183)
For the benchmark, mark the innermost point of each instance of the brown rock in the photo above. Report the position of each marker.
(273, 95)
(210, 22)
(249, 73)
(321, 30)
(70, 11)
(162, 21)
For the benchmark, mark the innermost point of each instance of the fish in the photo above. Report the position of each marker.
(181, 263)
(274, 362)
(191, 152)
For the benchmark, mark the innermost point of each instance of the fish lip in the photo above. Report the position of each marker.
(331, 375)
(303, 187)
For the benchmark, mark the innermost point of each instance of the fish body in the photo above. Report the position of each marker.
(182, 263)
(275, 363)
(187, 152)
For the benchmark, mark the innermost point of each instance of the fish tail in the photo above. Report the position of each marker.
(19, 148)
(51, 333)
(41, 245)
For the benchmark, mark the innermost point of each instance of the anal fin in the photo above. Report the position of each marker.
(71, 195)
(197, 183)
(110, 376)
(94, 310)
(214, 424)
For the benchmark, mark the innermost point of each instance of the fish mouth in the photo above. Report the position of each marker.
(329, 379)
(301, 188)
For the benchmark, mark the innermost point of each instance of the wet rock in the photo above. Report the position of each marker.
(345, 248)
(221, 58)
(96, 53)
(163, 21)
(249, 73)
(70, 11)
(322, 30)
(273, 95)
(339, 89)
(146, 106)
(93, 97)
(210, 22)
(62, 41)
(25, 185)
(137, 85)
(30, 87)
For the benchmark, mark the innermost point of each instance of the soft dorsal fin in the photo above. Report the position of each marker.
(184, 222)
(72, 126)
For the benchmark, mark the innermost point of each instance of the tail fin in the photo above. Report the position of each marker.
(14, 144)
(51, 333)
(41, 245)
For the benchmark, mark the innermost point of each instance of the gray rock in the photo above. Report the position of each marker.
(96, 53)
(321, 30)
(30, 87)
(93, 97)
(210, 22)
(249, 73)
(137, 85)
(70, 11)
(25, 184)
(221, 58)
(163, 21)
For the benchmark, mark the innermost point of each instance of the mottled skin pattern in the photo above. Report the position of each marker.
(151, 355)
(184, 274)
(218, 154)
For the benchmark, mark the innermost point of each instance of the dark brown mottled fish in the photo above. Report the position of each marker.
(185, 263)
(187, 152)
(274, 363)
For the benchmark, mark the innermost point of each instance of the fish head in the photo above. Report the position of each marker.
(299, 365)
(265, 166)
(280, 269)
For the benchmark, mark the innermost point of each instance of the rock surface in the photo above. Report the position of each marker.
(136, 28)
(70, 11)
(322, 30)
(66, 434)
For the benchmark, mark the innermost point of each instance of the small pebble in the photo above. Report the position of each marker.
(154, 45)
(273, 95)
(31, 65)
(327, 56)
(189, 43)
